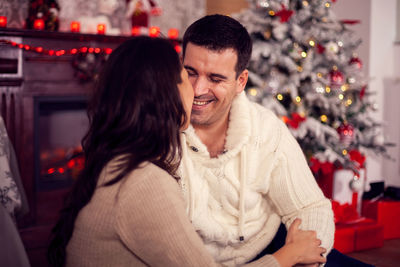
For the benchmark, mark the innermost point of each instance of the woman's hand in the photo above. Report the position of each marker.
(301, 247)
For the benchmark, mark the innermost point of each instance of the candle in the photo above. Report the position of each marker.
(3, 21)
(101, 28)
(38, 24)
(135, 31)
(75, 26)
(154, 31)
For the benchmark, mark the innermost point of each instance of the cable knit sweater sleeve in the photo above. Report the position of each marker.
(295, 193)
(153, 224)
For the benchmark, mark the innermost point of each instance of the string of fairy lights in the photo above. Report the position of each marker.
(61, 52)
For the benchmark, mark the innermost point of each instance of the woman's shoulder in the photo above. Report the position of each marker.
(145, 182)
(148, 172)
(115, 166)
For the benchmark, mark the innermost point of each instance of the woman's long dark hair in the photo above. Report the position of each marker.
(136, 112)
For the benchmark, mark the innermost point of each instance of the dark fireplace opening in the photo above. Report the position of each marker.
(60, 123)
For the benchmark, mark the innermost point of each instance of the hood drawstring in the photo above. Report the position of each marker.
(242, 191)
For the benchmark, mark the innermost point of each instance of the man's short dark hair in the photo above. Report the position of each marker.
(219, 32)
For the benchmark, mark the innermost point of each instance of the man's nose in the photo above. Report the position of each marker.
(200, 86)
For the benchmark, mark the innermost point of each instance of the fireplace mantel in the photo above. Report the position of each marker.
(50, 35)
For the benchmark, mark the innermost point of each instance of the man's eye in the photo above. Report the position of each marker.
(215, 80)
(191, 74)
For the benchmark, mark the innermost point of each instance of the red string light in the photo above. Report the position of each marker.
(178, 48)
(72, 51)
(61, 52)
(154, 31)
(108, 51)
(173, 33)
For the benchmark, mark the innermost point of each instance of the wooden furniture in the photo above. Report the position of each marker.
(25, 78)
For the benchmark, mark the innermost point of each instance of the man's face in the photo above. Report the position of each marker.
(213, 77)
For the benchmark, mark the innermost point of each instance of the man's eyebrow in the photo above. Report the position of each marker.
(212, 75)
(216, 75)
(189, 68)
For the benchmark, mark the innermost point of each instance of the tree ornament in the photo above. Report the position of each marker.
(346, 133)
(356, 184)
(267, 34)
(284, 14)
(320, 49)
(336, 77)
(332, 47)
(262, 4)
(295, 52)
(295, 120)
(355, 61)
(362, 92)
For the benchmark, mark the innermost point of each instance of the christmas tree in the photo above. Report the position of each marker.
(304, 68)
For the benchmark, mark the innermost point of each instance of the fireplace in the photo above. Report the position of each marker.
(60, 122)
(44, 106)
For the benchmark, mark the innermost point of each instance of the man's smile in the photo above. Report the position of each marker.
(201, 103)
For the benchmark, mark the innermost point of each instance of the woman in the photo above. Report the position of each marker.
(126, 208)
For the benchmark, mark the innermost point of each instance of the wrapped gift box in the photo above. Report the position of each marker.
(358, 235)
(368, 234)
(386, 213)
(344, 239)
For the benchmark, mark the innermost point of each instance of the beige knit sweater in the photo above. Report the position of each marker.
(139, 221)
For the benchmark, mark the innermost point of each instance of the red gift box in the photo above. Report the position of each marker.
(385, 212)
(344, 239)
(368, 234)
(358, 235)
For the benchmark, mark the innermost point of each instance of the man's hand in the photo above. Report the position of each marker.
(301, 247)
(308, 244)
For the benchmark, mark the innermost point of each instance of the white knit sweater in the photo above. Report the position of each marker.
(261, 180)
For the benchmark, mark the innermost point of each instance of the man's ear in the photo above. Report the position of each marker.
(242, 81)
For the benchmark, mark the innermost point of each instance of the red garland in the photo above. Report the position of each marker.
(284, 14)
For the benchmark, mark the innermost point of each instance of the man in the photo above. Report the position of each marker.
(242, 172)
